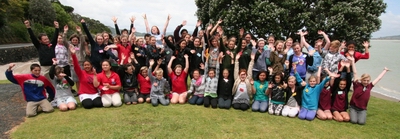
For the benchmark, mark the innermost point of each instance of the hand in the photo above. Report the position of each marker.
(300, 33)
(311, 52)
(320, 32)
(151, 62)
(343, 44)
(209, 26)
(27, 24)
(319, 43)
(365, 44)
(94, 71)
(270, 85)
(287, 63)
(186, 56)
(106, 48)
(184, 23)
(54, 61)
(65, 28)
(56, 24)
(251, 81)
(202, 66)
(82, 20)
(270, 69)
(334, 75)
(386, 69)
(87, 52)
(198, 23)
(62, 74)
(138, 54)
(305, 33)
(219, 21)
(254, 43)
(294, 67)
(144, 16)
(132, 55)
(169, 17)
(10, 66)
(173, 58)
(123, 56)
(284, 84)
(72, 49)
(133, 30)
(241, 31)
(114, 19)
(192, 51)
(78, 28)
(237, 56)
(252, 56)
(221, 55)
(132, 19)
(105, 88)
(303, 83)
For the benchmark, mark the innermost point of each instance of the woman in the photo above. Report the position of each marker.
(109, 84)
(178, 78)
(278, 57)
(156, 32)
(242, 88)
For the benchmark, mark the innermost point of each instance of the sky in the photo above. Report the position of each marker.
(158, 10)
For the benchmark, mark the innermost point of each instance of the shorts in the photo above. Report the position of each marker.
(65, 100)
(88, 96)
(144, 96)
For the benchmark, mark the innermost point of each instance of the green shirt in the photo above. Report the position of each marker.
(260, 91)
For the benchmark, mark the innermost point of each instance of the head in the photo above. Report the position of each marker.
(152, 40)
(74, 39)
(106, 36)
(196, 74)
(231, 44)
(124, 32)
(182, 44)
(59, 70)
(365, 79)
(129, 68)
(201, 34)
(43, 38)
(187, 37)
(155, 30)
(99, 38)
(211, 73)
(171, 39)
(225, 73)
(261, 43)
(147, 38)
(291, 81)
(106, 65)
(159, 74)
(318, 44)
(278, 45)
(87, 66)
(288, 42)
(342, 84)
(35, 69)
(60, 39)
(271, 39)
(244, 44)
(184, 32)
(233, 38)
(278, 79)
(242, 74)
(197, 42)
(247, 37)
(350, 45)
(296, 48)
(312, 80)
(143, 71)
(262, 76)
(214, 41)
(140, 42)
(124, 39)
(334, 47)
(117, 39)
(178, 69)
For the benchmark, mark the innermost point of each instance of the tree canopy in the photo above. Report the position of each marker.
(340, 19)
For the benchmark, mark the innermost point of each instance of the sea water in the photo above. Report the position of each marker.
(383, 53)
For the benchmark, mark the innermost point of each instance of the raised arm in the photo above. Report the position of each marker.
(236, 69)
(85, 28)
(150, 72)
(196, 30)
(216, 26)
(34, 40)
(146, 23)
(166, 24)
(133, 18)
(9, 74)
(250, 68)
(366, 52)
(65, 39)
(177, 36)
(170, 64)
(186, 69)
(56, 33)
(114, 19)
(326, 38)
(380, 76)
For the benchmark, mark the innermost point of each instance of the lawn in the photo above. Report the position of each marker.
(187, 121)
(4, 82)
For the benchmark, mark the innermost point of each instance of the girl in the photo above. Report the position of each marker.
(178, 78)
(180, 50)
(140, 51)
(242, 87)
(332, 57)
(197, 56)
(109, 83)
(144, 85)
(122, 48)
(156, 32)
(159, 86)
(277, 92)
(278, 57)
(324, 105)
(244, 53)
(294, 93)
(262, 57)
(88, 93)
(260, 102)
(340, 91)
(129, 80)
(211, 85)
(225, 85)
(64, 97)
(78, 41)
(310, 95)
(197, 87)
(301, 59)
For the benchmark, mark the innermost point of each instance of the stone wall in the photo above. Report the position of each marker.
(17, 54)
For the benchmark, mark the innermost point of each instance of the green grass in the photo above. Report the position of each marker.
(187, 121)
(4, 82)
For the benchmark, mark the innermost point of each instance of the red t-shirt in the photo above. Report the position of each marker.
(123, 50)
(178, 82)
(339, 103)
(357, 56)
(113, 80)
(145, 84)
(360, 96)
(325, 99)
(85, 79)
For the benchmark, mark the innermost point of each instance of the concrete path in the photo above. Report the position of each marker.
(6, 46)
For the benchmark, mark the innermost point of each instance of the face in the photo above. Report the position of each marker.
(154, 30)
(365, 81)
(292, 82)
(45, 40)
(87, 66)
(243, 76)
(159, 76)
(231, 45)
(271, 40)
(147, 39)
(75, 41)
(182, 45)
(171, 39)
(144, 73)
(129, 70)
(214, 42)
(333, 49)
(279, 47)
(225, 73)
(116, 40)
(184, 33)
(152, 41)
(211, 74)
(124, 40)
(60, 39)
(140, 42)
(105, 66)
(248, 37)
(296, 49)
(312, 82)
(36, 71)
(261, 44)
(262, 76)
(350, 47)
(187, 37)
(201, 33)
(277, 79)
(243, 44)
(178, 71)
(196, 42)
(289, 43)
(105, 36)
(342, 85)
(99, 39)
(196, 75)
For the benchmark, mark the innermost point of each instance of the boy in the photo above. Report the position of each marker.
(33, 87)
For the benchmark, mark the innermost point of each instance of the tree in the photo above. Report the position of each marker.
(341, 19)
(42, 12)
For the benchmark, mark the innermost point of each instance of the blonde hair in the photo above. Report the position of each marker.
(143, 68)
(178, 66)
(289, 39)
(292, 78)
(335, 44)
(365, 76)
(159, 71)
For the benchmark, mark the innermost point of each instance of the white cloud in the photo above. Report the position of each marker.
(156, 10)
(390, 25)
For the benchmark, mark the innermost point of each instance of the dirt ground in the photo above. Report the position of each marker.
(12, 108)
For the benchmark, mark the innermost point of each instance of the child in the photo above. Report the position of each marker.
(197, 88)
(156, 32)
(277, 92)
(129, 81)
(277, 57)
(178, 78)
(109, 84)
(211, 85)
(260, 98)
(33, 87)
(64, 98)
(340, 91)
(242, 88)
(294, 93)
(225, 86)
(159, 86)
(144, 85)
(324, 105)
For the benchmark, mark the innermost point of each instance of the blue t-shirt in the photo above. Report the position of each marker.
(260, 91)
(301, 65)
(317, 61)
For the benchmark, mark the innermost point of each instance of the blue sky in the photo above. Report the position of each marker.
(158, 10)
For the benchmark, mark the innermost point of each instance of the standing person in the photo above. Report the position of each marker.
(317, 59)
(139, 49)
(156, 32)
(159, 86)
(301, 59)
(78, 41)
(277, 57)
(243, 87)
(178, 78)
(260, 102)
(332, 57)
(88, 93)
(197, 58)
(211, 85)
(63, 83)
(46, 49)
(262, 57)
(109, 84)
(33, 87)
(182, 33)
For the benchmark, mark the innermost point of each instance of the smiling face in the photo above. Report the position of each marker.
(312, 81)
(342, 84)
(225, 74)
(292, 82)
(243, 76)
(271, 40)
(262, 76)
(105, 66)
(196, 74)
(60, 40)
(261, 44)
(350, 47)
(214, 42)
(106, 36)
(279, 46)
(124, 40)
(182, 45)
(144, 72)
(152, 41)
(155, 30)
(196, 42)
(129, 69)
(231, 45)
(178, 71)
(211, 74)
(99, 39)
(297, 49)
(87, 66)
(75, 41)
(140, 42)
(244, 44)
(36, 71)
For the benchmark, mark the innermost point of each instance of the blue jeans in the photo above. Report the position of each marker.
(259, 106)
(196, 100)
(224, 104)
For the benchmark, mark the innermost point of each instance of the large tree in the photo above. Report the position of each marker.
(341, 19)
(42, 12)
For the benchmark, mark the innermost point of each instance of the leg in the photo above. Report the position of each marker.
(31, 109)
(346, 116)
(303, 113)
(175, 98)
(200, 101)
(256, 105)
(278, 109)
(147, 98)
(228, 103)
(71, 105)
(362, 117)
(293, 112)
(328, 114)
(116, 99)
(182, 98)
(271, 108)
(311, 114)
(321, 115)
(337, 116)
(163, 101)
(236, 106)
(263, 106)
(127, 99)
(106, 99)
(207, 102)
(46, 106)
(353, 115)
(154, 101)
(193, 99)
(285, 110)
(63, 107)
(214, 102)
(221, 103)
(87, 103)
(97, 102)
(134, 99)
(244, 107)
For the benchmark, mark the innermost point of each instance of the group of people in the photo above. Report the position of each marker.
(285, 78)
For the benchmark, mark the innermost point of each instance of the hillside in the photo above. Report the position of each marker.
(396, 37)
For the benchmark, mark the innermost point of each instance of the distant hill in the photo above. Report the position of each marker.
(396, 37)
